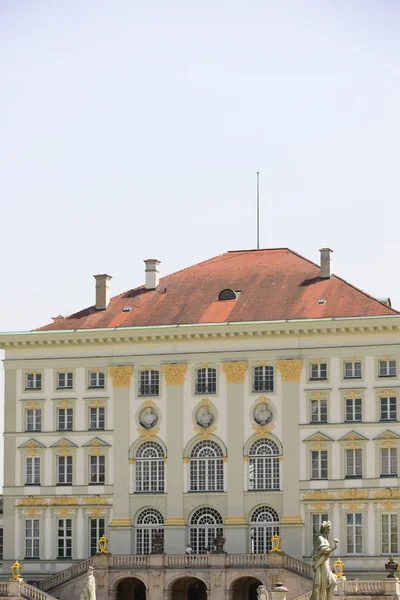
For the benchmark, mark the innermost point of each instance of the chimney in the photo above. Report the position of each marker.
(152, 273)
(325, 263)
(103, 291)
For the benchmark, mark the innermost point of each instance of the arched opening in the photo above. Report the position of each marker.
(245, 588)
(131, 589)
(189, 588)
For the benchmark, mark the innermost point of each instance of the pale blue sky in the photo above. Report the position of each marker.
(134, 129)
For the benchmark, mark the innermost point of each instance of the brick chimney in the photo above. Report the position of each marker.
(152, 273)
(103, 291)
(326, 263)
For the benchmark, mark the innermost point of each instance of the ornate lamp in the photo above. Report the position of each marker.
(16, 571)
(276, 543)
(391, 567)
(103, 541)
(339, 564)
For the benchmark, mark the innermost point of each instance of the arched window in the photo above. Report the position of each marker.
(206, 381)
(149, 383)
(264, 465)
(264, 524)
(205, 525)
(148, 523)
(227, 295)
(149, 468)
(206, 467)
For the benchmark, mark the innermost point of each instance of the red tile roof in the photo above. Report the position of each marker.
(275, 284)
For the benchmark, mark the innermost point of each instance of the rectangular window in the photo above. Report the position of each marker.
(32, 470)
(32, 538)
(387, 368)
(319, 411)
(390, 533)
(33, 419)
(352, 370)
(97, 528)
(64, 538)
(388, 462)
(64, 470)
(149, 383)
(33, 381)
(97, 469)
(354, 462)
(263, 379)
(96, 379)
(318, 371)
(96, 417)
(319, 464)
(1, 543)
(354, 533)
(65, 419)
(206, 381)
(353, 409)
(317, 520)
(388, 408)
(65, 381)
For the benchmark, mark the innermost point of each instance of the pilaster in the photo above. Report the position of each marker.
(291, 521)
(120, 529)
(174, 524)
(235, 522)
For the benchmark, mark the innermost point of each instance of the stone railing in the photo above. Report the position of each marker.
(187, 561)
(20, 589)
(297, 566)
(129, 561)
(358, 587)
(66, 575)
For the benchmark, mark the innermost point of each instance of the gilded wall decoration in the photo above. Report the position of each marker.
(43, 501)
(318, 495)
(290, 369)
(263, 429)
(354, 494)
(205, 431)
(387, 493)
(148, 433)
(235, 371)
(121, 376)
(174, 373)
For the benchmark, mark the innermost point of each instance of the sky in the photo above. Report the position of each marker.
(133, 130)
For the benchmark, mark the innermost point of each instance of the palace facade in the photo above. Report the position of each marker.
(250, 395)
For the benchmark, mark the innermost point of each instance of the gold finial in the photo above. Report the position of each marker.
(276, 543)
(16, 571)
(339, 564)
(103, 541)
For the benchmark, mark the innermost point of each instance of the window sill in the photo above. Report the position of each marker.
(33, 389)
(60, 389)
(265, 490)
(96, 387)
(96, 429)
(318, 379)
(206, 392)
(391, 475)
(318, 422)
(262, 391)
(319, 478)
(65, 484)
(387, 376)
(32, 484)
(32, 558)
(64, 558)
(353, 477)
(388, 420)
(97, 483)
(33, 431)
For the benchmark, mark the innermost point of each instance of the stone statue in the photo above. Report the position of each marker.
(324, 582)
(262, 414)
(262, 593)
(89, 591)
(148, 418)
(205, 418)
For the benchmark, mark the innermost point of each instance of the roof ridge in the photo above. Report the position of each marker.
(396, 312)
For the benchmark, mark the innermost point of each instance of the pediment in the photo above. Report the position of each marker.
(96, 443)
(32, 443)
(387, 435)
(64, 443)
(318, 437)
(353, 436)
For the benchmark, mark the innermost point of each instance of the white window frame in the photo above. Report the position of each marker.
(353, 463)
(264, 523)
(321, 467)
(68, 383)
(33, 381)
(97, 469)
(36, 414)
(353, 410)
(149, 382)
(32, 470)
(206, 467)
(65, 470)
(354, 533)
(205, 524)
(32, 538)
(205, 381)
(387, 367)
(263, 379)
(96, 380)
(149, 523)
(316, 369)
(350, 368)
(390, 410)
(65, 416)
(97, 525)
(64, 537)
(389, 461)
(263, 466)
(321, 406)
(97, 417)
(390, 530)
(149, 468)
(316, 521)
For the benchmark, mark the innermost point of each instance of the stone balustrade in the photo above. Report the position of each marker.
(373, 587)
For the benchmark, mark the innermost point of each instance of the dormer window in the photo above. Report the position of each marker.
(227, 295)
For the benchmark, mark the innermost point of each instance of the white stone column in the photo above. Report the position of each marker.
(48, 531)
(291, 520)
(120, 529)
(81, 547)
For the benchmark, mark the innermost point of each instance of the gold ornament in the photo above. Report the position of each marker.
(174, 373)
(121, 376)
(235, 371)
(290, 369)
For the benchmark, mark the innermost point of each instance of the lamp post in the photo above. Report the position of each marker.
(279, 591)
(16, 571)
(276, 543)
(103, 541)
(339, 564)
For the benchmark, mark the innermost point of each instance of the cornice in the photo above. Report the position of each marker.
(200, 331)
